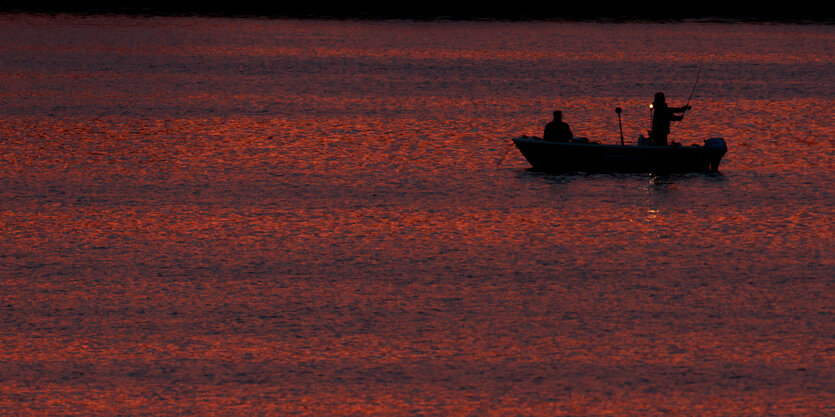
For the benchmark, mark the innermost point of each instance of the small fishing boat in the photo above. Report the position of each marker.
(580, 155)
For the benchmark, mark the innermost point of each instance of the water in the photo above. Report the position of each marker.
(210, 216)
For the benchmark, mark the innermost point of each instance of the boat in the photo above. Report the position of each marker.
(581, 155)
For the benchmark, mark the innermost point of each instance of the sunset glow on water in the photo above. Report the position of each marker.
(237, 217)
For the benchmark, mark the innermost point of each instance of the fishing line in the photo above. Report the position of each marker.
(509, 146)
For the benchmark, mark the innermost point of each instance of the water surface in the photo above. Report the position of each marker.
(209, 216)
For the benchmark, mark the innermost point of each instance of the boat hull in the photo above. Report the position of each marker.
(593, 157)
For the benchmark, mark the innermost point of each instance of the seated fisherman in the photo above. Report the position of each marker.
(557, 130)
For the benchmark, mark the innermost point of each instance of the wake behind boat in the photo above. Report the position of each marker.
(579, 155)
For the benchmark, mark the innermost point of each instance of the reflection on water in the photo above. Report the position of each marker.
(243, 216)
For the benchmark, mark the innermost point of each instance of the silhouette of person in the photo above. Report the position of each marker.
(661, 117)
(557, 130)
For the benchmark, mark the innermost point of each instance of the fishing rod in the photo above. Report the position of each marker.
(618, 110)
(693, 90)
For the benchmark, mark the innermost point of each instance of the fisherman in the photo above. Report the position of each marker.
(661, 118)
(557, 130)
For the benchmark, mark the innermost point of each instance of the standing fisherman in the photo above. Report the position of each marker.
(661, 118)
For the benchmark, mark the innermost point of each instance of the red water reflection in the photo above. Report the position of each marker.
(320, 248)
(185, 278)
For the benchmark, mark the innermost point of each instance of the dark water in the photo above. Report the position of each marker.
(208, 216)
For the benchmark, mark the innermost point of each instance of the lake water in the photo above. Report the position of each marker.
(239, 217)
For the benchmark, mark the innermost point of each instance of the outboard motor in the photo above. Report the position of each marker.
(716, 143)
(716, 148)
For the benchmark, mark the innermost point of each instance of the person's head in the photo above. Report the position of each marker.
(557, 115)
(659, 97)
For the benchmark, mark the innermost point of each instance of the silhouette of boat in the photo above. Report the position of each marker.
(580, 155)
